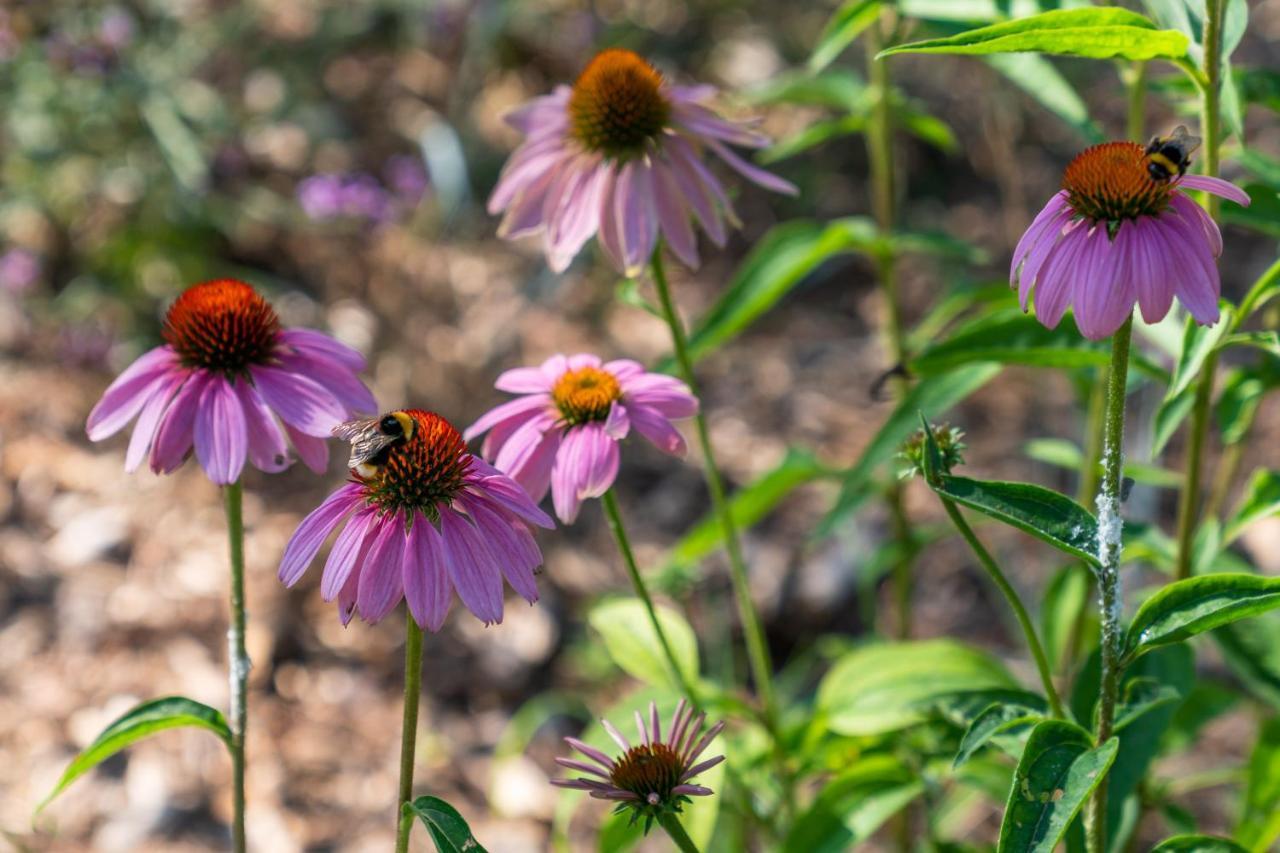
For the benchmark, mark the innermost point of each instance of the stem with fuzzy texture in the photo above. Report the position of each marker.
(675, 831)
(757, 649)
(238, 660)
(409, 730)
(1110, 526)
(614, 515)
(1211, 127)
(1011, 596)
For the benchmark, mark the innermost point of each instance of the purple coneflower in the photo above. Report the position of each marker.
(431, 519)
(1114, 236)
(226, 373)
(620, 154)
(654, 777)
(563, 431)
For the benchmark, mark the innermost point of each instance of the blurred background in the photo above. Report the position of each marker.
(337, 155)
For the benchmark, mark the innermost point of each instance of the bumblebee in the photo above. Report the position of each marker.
(373, 438)
(1169, 154)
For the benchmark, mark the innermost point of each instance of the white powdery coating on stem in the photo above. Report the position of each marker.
(238, 667)
(1110, 531)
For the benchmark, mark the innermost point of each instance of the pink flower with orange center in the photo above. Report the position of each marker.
(562, 433)
(1115, 236)
(620, 155)
(235, 385)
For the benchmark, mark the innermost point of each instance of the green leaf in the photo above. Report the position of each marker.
(1261, 500)
(1237, 406)
(632, 643)
(812, 136)
(1197, 844)
(628, 293)
(1044, 513)
(1011, 337)
(1267, 341)
(780, 261)
(1063, 599)
(1058, 771)
(998, 718)
(1253, 653)
(448, 829)
(835, 88)
(979, 10)
(1093, 33)
(933, 395)
(1169, 417)
(1038, 77)
(842, 30)
(748, 505)
(853, 805)
(1188, 607)
(1198, 342)
(146, 719)
(1260, 822)
(1064, 453)
(927, 128)
(885, 687)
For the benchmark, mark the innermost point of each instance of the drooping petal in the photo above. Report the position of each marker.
(300, 402)
(220, 437)
(1107, 294)
(334, 377)
(701, 188)
(504, 491)
(525, 213)
(381, 583)
(1192, 212)
(515, 411)
(478, 582)
(144, 431)
(311, 342)
(314, 452)
(1034, 266)
(1039, 228)
(126, 396)
(528, 456)
(700, 121)
(1151, 277)
(426, 575)
(617, 424)
(1056, 279)
(752, 173)
(654, 426)
(585, 467)
(174, 435)
(577, 214)
(346, 552)
(637, 219)
(315, 529)
(505, 550)
(673, 215)
(268, 447)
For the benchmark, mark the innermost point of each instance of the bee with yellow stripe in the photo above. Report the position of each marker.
(373, 438)
(1169, 154)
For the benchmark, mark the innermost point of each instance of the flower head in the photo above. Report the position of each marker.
(562, 433)
(1114, 236)
(951, 447)
(427, 519)
(620, 155)
(655, 775)
(225, 379)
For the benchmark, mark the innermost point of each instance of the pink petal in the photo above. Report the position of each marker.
(381, 583)
(617, 424)
(300, 402)
(1151, 277)
(701, 188)
(126, 396)
(637, 219)
(505, 550)
(315, 529)
(654, 426)
(512, 412)
(426, 575)
(347, 550)
(1217, 186)
(700, 121)
(477, 580)
(314, 452)
(341, 382)
(144, 431)
(268, 447)
(585, 467)
(1057, 277)
(1039, 228)
(673, 215)
(311, 342)
(523, 380)
(1053, 233)
(576, 213)
(220, 437)
(756, 175)
(529, 456)
(174, 435)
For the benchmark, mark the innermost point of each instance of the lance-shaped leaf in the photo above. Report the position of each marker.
(1198, 844)
(845, 26)
(1058, 771)
(1261, 500)
(998, 718)
(1195, 605)
(1044, 513)
(634, 645)
(449, 830)
(1092, 33)
(146, 719)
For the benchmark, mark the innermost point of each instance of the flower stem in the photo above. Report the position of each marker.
(676, 832)
(1109, 527)
(757, 649)
(238, 660)
(614, 515)
(1011, 596)
(1211, 128)
(409, 730)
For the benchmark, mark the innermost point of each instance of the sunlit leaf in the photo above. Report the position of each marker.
(999, 718)
(143, 721)
(842, 30)
(633, 644)
(1198, 343)
(1093, 33)
(1261, 499)
(853, 805)
(449, 830)
(1188, 607)
(1058, 771)
(1038, 77)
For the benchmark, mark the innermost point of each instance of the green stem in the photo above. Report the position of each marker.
(612, 512)
(676, 833)
(1137, 86)
(1011, 596)
(880, 161)
(1211, 128)
(1109, 526)
(757, 649)
(238, 661)
(409, 729)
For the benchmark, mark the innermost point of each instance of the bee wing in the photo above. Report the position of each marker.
(1181, 136)
(365, 437)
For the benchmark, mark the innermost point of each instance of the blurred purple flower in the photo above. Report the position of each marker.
(19, 271)
(359, 196)
(407, 178)
(363, 197)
